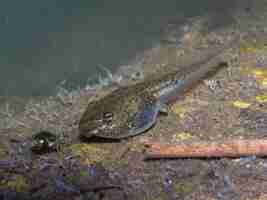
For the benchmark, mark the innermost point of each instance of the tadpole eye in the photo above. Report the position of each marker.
(108, 116)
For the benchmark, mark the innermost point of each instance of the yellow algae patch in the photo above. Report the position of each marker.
(264, 82)
(17, 183)
(252, 47)
(178, 110)
(248, 49)
(181, 136)
(261, 77)
(259, 73)
(88, 153)
(261, 98)
(241, 104)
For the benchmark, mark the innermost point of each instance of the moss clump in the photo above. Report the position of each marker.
(75, 177)
(3, 152)
(160, 194)
(17, 183)
(88, 153)
(164, 195)
(83, 173)
(183, 188)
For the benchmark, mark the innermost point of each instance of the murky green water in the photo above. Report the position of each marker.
(45, 42)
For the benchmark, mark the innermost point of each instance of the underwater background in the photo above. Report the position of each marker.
(46, 42)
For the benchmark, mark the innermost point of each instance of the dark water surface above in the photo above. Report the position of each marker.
(45, 42)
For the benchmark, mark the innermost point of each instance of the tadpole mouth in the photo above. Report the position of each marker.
(98, 139)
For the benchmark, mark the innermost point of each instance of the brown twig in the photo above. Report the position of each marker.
(205, 149)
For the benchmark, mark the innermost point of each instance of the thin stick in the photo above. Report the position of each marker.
(205, 149)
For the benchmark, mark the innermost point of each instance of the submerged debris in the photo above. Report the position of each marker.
(208, 149)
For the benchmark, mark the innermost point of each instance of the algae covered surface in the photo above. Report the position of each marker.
(230, 104)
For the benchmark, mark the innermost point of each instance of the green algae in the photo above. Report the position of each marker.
(3, 152)
(88, 153)
(183, 188)
(83, 173)
(17, 183)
